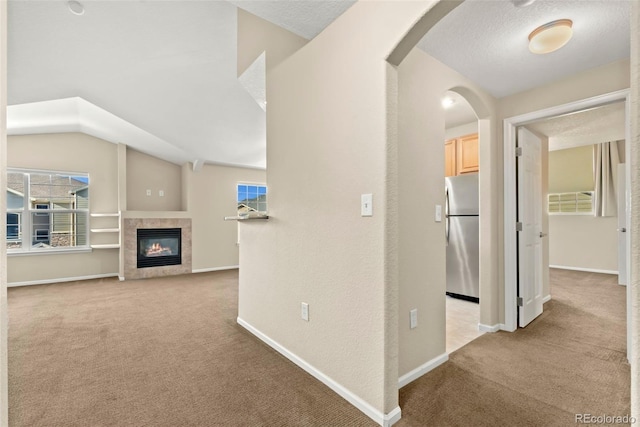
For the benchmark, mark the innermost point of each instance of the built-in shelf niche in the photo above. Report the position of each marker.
(105, 224)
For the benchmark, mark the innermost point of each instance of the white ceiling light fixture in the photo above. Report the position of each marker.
(447, 102)
(551, 36)
(522, 3)
(75, 7)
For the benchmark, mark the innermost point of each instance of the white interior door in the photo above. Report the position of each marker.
(530, 227)
(622, 224)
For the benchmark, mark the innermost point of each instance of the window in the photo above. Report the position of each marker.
(251, 198)
(13, 227)
(574, 203)
(46, 210)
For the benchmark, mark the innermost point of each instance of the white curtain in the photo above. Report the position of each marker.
(605, 172)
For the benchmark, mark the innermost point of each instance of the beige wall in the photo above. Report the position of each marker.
(571, 169)
(422, 251)
(210, 196)
(327, 130)
(256, 35)
(462, 130)
(72, 152)
(596, 81)
(145, 172)
(579, 241)
(583, 242)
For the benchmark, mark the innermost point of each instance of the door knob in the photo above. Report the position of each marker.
(624, 230)
(542, 234)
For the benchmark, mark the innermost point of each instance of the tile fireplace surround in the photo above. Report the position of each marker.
(130, 247)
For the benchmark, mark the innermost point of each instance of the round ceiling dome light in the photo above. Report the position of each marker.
(551, 36)
(75, 7)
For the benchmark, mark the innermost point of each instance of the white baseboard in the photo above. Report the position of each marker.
(206, 270)
(546, 299)
(422, 369)
(503, 327)
(489, 328)
(588, 270)
(392, 417)
(385, 420)
(60, 280)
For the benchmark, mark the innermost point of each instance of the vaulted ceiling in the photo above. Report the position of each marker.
(168, 69)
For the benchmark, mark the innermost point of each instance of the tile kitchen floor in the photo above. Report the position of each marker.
(462, 323)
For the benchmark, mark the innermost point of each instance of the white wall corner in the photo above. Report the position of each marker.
(376, 415)
(489, 328)
(422, 369)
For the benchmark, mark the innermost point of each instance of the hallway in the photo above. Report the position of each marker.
(571, 360)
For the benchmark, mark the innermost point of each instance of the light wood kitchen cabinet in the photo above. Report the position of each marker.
(450, 161)
(461, 155)
(467, 154)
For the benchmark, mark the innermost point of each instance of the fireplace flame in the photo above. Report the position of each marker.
(156, 249)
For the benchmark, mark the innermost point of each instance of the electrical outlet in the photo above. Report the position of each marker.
(304, 311)
(161, 193)
(413, 314)
(148, 192)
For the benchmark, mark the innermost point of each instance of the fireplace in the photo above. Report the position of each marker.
(158, 247)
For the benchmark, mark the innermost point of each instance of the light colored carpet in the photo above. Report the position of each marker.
(157, 352)
(168, 352)
(572, 359)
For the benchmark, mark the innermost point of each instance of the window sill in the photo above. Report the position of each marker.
(49, 252)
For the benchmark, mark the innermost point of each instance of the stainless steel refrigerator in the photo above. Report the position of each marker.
(462, 230)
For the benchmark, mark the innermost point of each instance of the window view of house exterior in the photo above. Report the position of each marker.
(46, 210)
(252, 198)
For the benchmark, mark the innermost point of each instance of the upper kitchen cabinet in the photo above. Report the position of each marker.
(461, 155)
(450, 160)
(467, 154)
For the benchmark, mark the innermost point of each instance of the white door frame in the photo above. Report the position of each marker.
(510, 237)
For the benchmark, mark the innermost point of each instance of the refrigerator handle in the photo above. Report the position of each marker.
(446, 214)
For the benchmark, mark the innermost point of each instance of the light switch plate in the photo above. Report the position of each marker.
(366, 207)
(148, 192)
(413, 315)
(438, 213)
(304, 311)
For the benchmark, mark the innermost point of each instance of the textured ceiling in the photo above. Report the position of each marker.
(486, 41)
(593, 126)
